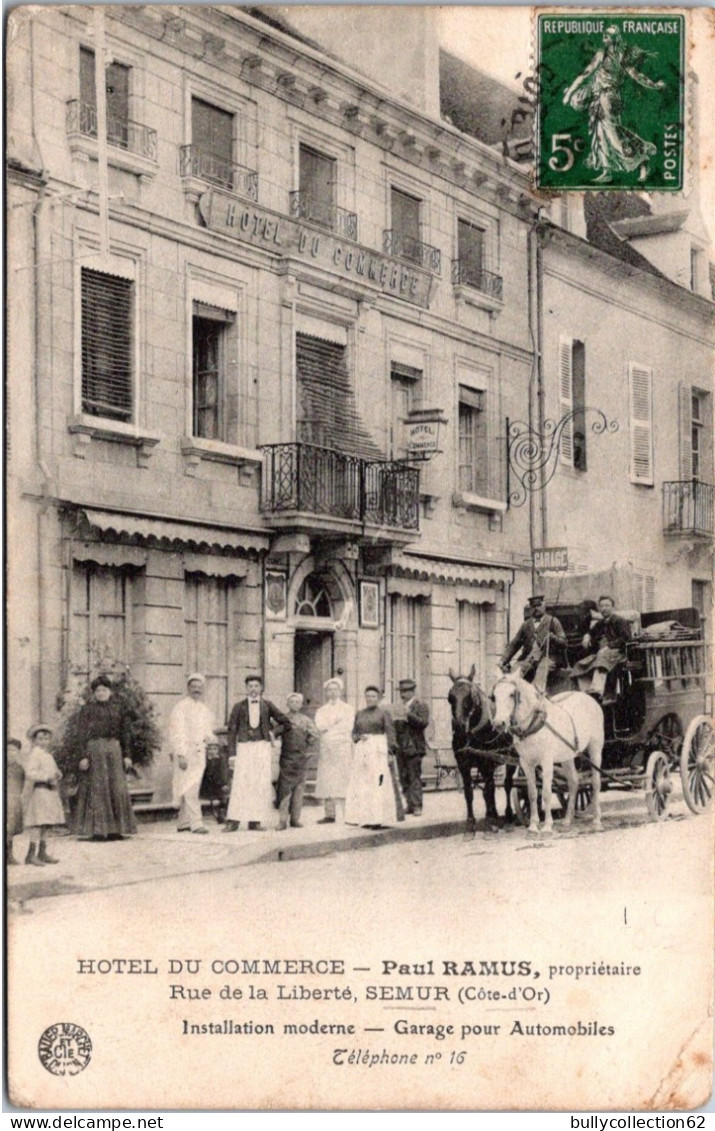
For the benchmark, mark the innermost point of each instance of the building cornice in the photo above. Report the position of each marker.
(296, 73)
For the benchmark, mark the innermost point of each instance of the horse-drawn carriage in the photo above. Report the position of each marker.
(656, 725)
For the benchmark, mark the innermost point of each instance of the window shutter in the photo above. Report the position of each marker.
(685, 422)
(641, 394)
(566, 397)
(107, 345)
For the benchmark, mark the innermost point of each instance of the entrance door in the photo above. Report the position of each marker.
(312, 666)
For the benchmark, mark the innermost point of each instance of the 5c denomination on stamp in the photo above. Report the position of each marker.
(611, 104)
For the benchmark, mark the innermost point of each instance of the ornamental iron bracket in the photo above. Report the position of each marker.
(533, 456)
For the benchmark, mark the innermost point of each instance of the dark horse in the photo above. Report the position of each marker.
(477, 745)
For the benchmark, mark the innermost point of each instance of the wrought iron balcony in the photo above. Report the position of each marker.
(305, 479)
(414, 251)
(81, 118)
(324, 214)
(688, 508)
(205, 166)
(470, 275)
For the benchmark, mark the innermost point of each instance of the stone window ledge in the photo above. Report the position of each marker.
(466, 500)
(195, 449)
(469, 296)
(85, 428)
(143, 167)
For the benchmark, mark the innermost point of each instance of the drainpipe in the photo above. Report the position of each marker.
(535, 375)
(540, 391)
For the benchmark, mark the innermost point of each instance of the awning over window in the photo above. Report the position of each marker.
(109, 554)
(451, 573)
(189, 535)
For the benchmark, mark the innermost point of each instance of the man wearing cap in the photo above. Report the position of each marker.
(299, 740)
(541, 641)
(191, 728)
(411, 717)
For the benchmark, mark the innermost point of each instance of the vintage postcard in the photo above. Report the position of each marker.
(360, 513)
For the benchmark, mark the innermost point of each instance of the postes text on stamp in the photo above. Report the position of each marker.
(611, 104)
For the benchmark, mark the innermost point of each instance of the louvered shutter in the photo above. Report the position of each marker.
(641, 397)
(107, 345)
(566, 397)
(685, 425)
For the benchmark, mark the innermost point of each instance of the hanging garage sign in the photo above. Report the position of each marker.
(551, 558)
(277, 233)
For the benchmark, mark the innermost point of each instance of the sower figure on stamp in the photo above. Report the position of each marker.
(191, 728)
(411, 717)
(541, 641)
(249, 743)
(300, 739)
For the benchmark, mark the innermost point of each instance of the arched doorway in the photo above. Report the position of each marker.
(313, 647)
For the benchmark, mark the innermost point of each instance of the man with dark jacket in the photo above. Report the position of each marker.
(411, 717)
(609, 638)
(541, 641)
(249, 744)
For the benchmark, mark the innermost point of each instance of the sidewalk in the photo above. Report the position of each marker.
(158, 851)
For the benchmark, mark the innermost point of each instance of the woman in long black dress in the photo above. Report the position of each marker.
(103, 811)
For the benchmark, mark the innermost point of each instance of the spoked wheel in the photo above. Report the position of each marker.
(697, 764)
(667, 737)
(520, 796)
(658, 785)
(584, 797)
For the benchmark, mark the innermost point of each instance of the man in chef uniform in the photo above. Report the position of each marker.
(191, 727)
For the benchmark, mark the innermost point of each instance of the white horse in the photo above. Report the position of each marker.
(547, 731)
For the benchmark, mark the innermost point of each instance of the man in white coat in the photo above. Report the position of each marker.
(191, 726)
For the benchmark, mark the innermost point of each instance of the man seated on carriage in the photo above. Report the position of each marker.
(609, 638)
(540, 645)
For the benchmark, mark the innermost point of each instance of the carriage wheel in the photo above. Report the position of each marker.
(697, 764)
(520, 797)
(658, 785)
(584, 797)
(667, 736)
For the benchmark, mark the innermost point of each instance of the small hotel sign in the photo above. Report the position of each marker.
(551, 558)
(277, 233)
(422, 435)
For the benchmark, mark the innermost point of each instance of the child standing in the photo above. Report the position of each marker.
(42, 803)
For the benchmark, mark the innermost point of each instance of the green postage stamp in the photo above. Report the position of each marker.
(611, 104)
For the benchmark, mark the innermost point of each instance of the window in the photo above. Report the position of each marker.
(471, 638)
(101, 617)
(316, 182)
(696, 456)
(640, 379)
(207, 602)
(572, 399)
(405, 383)
(405, 219)
(212, 143)
(213, 330)
(405, 640)
(473, 468)
(471, 251)
(117, 87)
(107, 345)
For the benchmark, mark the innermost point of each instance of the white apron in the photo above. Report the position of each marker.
(370, 798)
(335, 724)
(251, 789)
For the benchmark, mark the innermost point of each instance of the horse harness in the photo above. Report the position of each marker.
(539, 720)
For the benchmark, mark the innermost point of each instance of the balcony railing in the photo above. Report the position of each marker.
(688, 507)
(326, 215)
(320, 481)
(81, 118)
(414, 251)
(470, 275)
(196, 162)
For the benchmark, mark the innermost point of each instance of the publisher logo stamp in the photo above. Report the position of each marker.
(611, 106)
(65, 1049)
